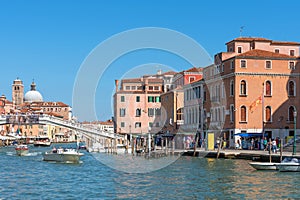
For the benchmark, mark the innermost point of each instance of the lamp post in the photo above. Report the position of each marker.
(294, 146)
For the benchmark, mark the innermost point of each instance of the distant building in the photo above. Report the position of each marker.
(32, 104)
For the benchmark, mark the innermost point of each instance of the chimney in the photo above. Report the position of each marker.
(117, 85)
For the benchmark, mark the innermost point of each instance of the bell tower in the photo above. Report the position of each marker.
(17, 92)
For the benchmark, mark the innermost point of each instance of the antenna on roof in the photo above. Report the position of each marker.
(241, 30)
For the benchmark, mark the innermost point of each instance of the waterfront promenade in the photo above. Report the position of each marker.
(254, 155)
(257, 155)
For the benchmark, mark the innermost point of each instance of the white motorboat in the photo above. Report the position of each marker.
(264, 165)
(22, 150)
(63, 155)
(42, 141)
(289, 165)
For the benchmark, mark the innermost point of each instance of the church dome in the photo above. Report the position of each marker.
(33, 95)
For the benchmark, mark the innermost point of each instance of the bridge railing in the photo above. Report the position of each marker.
(48, 119)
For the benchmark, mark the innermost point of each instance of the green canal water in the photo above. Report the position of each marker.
(29, 177)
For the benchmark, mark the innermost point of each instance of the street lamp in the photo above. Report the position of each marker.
(294, 146)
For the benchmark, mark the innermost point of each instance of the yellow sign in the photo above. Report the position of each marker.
(210, 141)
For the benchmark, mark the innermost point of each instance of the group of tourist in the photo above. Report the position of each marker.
(258, 144)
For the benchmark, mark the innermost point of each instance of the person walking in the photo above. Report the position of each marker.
(265, 142)
(274, 146)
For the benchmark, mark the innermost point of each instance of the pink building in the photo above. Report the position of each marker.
(137, 104)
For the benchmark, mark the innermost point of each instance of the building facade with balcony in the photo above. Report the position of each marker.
(253, 88)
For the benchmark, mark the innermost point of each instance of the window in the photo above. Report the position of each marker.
(243, 114)
(138, 124)
(191, 79)
(157, 111)
(276, 50)
(292, 89)
(292, 65)
(232, 64)
(122, 124)
(127, 87)
(239, 49)
(122, 98)
(122, 112)
(231, 113)
(150, 99)
(137, 99)
(243, 88)
(138, 112)
(157, 124)
(292, 52)
(150, 88)
(268, 64)
(268, 88)
(243, 63)
(268, 114)
(231, 88)
(156, 87)
(150, 112)
(157, 99)
(291, 113)
(150, 124)
(133, 87)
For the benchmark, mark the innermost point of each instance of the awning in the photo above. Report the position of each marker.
(248, 134)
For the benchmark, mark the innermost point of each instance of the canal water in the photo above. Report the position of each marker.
(29, 177)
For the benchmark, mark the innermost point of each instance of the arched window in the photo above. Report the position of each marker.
(231, 88)
(292, 88)
(138, 112)
(243, 88)
(268, 114)
(268, 88)
(243, 113)
(291, 113)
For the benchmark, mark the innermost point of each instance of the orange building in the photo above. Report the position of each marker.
(252, 89)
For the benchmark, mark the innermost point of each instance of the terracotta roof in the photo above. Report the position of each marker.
(49, 104)
(170, 73)
(155, 80)
(131, 80)
(194, 69)
(264, 54)
(249, 39)
(284, 43)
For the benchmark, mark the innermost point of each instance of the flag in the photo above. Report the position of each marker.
(255, 103)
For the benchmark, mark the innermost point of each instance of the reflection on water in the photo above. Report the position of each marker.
(28, 177)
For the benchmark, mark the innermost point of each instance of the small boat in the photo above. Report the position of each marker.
(62, 155)
(264, 165)
(21, 150)
(123, 149)
(289, 165)
(42, 142)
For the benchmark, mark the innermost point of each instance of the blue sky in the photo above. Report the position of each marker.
(49, 40)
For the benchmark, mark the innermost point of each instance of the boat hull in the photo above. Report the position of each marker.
(289, 167)
(22, 152)
(42, 144)
(62, 157)
(264, 166)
